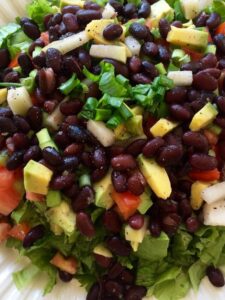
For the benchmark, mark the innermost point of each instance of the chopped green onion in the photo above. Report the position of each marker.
(125, 111)
(102, 114)
(84, 180)
(114, 121)
(10, 84)
(67, 87)
(160, 67)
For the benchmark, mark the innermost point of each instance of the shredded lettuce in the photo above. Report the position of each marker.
(24, 277)
(217, 6)
(38, 9)
(7, 31)
(18, 42)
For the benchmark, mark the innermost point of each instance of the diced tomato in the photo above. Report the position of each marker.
(14, 62)
(34, 197)
(4, 230)
(11, 190)
(45, 37)
(148, 23)
(127, 203)
(210, 175)
(68, 265)
(211, 137)
(19, 231)
(221, 28)
(196, 56)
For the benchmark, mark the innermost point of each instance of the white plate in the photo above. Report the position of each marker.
(10, 260)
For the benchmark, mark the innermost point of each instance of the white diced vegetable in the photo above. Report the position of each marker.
(109, 51)
(214, 193)
(133, 45)
(103, 134)
(19, 100)
(190, 8)
(204, 3)
(108, 12)
(55, 119)
(181, 78)
(214, 213)
(70, 43)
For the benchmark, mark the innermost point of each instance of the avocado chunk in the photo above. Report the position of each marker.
(109, 51)
(100, 249)
(136, 236)
(61, 219)
(153, 249)
(72, 2)
(162, 127)
(196, 193)
(95, 30)
(134, 125)
(159, 10)
(103, 190)
(156, 177)
(53, 198)
(3, 95)
(203, 117)
(146, 201)
(37, 178)
(188, 37)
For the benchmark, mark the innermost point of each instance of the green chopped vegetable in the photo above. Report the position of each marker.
(84, 180)
(6, 31)
(24, 277)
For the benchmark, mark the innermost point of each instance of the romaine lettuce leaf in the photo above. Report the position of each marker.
(196, 272)
(217, 6)
(24, 277)
(18, 42)
(7, 31)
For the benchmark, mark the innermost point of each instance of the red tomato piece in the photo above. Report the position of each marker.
(4, 230)
(19, 231)
(68, 265)
(205, 175)
(221, 28)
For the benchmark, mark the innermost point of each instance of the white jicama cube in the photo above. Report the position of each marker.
(19, 100)
(214, 193)
(108, 12)
(133, 45)
(214, 213)
(204, 3)
(103, 134)
(109, 51)
(70, 43)
(181, 78)
(190, 8)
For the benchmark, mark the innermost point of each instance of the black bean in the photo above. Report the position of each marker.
(177, 94)
(65, 276)
(118, 246)
(184, 208)
(73, 149)
(73, 9)
(129, 9)
(99, 158)
(219, 40)
(47, 20)
(25, 63)
(119, 181)
(71, 23)
(193, 66)
(204, 81)
(123, 162)
(98, 174)
(120, 68)
(31, 30)
(150, 69)
(12, 77)
(209, 61)
(34, 117)
(21, 124)
(112, 221)
(4, 58)
(136, 293)
(84, 58)
(201, 19)
(221, 104)
(71, 65)
(7, 125)
(77, 134)
(15, 161)
(47, 80)
(170, 223)
(134, 64)
(91, 5)
(53, 34)
(135, 148)
(57, 18)
(164, 54)
(54, 59)
(70, 107)
(221, 64)
(136, 183)
(150, 36)
(70, 163)
(62, 139)
(140, 78)
(177, 24)
(62, 182)
(180, 112)
(115, 271)
(136, 221)
(170, 155)
(213, 21)
(72, 191)
(112, 32)
(203, 162)
(35, 234)
(52, 156)
(34, 152)
(127, 276)
(86, 16)
(152, 147)
(192, 224)
(39, 61)
(215, 276)
(5, 112)
(138, 30)
(94, 292)
(164, 28)
(85, 225)
(214, 72)
(103, 261)
(117, 6)
(113, 288)
(155, 228)
(84, 198)
(144, 10)
(196, 140)
(20, 140)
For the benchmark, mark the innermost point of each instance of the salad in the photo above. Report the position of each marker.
(112, 145)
